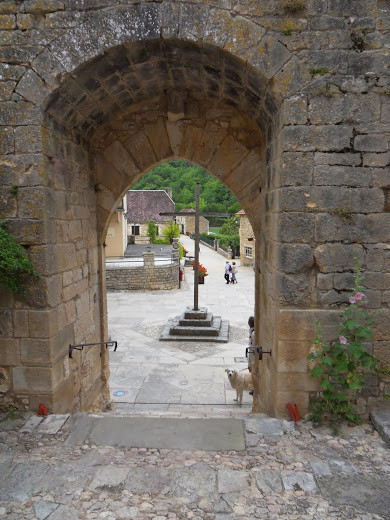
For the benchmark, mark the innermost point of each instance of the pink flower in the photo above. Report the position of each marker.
(315, 354)
(352, 299)
(359, 296)
(343, 340)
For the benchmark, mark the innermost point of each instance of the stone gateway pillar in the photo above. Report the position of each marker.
(288, 108)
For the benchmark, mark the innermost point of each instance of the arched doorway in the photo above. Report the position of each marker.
(144, 103)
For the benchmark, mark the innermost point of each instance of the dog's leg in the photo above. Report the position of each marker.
(236, 399)
(241, 393)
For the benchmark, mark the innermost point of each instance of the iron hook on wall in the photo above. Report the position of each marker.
(80, 346)
(259, 350)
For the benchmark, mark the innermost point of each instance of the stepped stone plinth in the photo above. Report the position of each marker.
(196, 325)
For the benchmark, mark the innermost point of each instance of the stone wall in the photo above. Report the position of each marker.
(290, 110)
(143, 278)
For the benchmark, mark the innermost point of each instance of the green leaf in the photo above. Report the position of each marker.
(317, 372)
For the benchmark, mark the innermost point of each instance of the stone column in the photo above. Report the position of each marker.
(148, 258)
(175, 250)
(230, 253)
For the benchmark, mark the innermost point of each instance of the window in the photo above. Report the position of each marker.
(135, 230)
(248, 252)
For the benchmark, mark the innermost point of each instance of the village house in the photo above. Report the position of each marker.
(116, 238)
(144, 206)
(187, 222)
(247, 240)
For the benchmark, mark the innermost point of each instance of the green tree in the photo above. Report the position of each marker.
(231, 226)
(152, 231)
(171, 231)
(181, 176)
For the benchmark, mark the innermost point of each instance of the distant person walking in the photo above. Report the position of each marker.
(228, 269)
(234, 272)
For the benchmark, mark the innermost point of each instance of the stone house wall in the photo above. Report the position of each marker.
(246, 240)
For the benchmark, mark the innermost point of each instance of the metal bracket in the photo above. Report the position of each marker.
(82, 345)
(259, 350)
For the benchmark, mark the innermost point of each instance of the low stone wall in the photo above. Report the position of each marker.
(150, 277)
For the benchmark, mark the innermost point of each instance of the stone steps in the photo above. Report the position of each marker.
(196, 325)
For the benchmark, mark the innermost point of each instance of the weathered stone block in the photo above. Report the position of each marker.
(20, 112)
(295, 257)
(292, 355)
(32, 202)
(371, 143)
(338, 257)
(43, 323)
(28, 139)
(376, 159)
(20, 324)
(6, 325)
(158, 138)
(352, 108)
(294, 227)
(313, 138)
(293, 289)
(9, 352)
(344, 281)
(342, 159)
(7, 143)
(32, 88)
(294, 111)
(296, 169)
(342, 176)
(228, 155)
(268, 56)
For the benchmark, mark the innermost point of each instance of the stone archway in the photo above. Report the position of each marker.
(202, 117)
(104, 87)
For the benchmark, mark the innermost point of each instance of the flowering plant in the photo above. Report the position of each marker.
(341, 365)
(202, 271)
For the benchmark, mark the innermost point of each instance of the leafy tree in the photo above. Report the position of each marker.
(231, 226)
(181, 176)
(152, 231)
(171, 231)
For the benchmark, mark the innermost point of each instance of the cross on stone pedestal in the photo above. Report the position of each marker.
(196, 262)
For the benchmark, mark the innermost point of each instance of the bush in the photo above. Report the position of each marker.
(14, 263)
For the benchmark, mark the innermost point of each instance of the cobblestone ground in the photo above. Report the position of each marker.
(284, 473)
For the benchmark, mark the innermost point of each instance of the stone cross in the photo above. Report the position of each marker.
(196, 262)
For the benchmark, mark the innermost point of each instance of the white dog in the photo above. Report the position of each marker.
(239, 383)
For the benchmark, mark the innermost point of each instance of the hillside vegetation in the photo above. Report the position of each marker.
(181, 176)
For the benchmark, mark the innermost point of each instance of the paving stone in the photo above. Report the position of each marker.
(190, 484)
(342, 466)
(32, 423)
(23, 480)
(368, 493)
(148, 480)
(52, 424)
(264, 426)
(320, 468)
(232, 481)
(268, 481)
(44, 509)
(109, 478)
(381, 421)
(298, 481)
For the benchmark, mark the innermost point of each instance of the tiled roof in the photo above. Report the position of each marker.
(145, 205)
(187, 210)
(241, 212)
